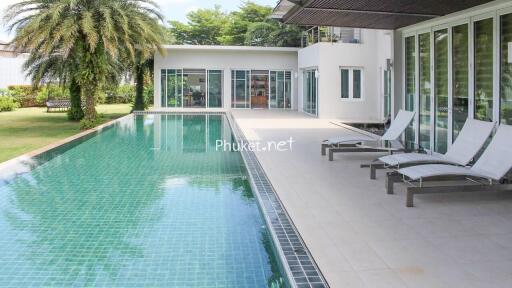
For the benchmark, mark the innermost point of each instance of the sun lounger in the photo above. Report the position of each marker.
(488, 173)
(339, 144)
(468, 143)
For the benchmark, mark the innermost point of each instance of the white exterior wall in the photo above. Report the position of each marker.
(226, 59)
(11, 71)
(328, 58)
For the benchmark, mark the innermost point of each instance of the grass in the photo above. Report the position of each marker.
(28, 129)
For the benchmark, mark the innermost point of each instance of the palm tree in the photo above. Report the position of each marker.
(141, 67)
(89, 36)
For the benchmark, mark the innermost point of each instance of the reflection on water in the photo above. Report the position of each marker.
(149, 202)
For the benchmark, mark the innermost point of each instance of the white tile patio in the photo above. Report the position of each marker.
(362, 237)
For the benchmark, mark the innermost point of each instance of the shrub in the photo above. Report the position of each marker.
(90, 123)
(75, 114)
(7, 103)
(25, 95)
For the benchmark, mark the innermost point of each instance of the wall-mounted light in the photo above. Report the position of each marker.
(389, 64)
(295, 75)
(317, 74)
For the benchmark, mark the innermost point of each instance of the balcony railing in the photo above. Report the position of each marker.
(330, 35)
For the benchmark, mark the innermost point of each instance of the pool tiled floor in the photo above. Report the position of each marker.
(147, 203)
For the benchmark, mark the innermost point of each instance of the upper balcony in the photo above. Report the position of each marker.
(330, 35)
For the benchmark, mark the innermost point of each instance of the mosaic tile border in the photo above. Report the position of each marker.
(300, 265)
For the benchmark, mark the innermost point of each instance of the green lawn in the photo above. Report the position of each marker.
(27, 129)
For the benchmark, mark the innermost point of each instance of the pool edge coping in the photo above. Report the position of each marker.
(240, 136)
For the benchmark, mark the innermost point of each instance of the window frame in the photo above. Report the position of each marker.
(351, 86)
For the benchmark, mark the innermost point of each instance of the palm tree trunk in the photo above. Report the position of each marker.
(90, 102)
(139, 88)
(76, 112)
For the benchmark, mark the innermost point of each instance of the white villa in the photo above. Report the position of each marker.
(338, 74)
(446, 60)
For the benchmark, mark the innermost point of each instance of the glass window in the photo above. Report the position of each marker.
(483, 46)
(506, 69)
(357, 83)
(344, 83)
(441, 90)
(351, 83)
(410, 82)
(425, 90)
(460, 78)
(215, 88)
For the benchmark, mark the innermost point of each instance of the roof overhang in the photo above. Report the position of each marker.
(376, 14)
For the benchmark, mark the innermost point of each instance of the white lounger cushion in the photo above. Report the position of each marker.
(432, 170)
(469, 141)
(398, 126)
(408, 158)
(396, 129)
(494, 163)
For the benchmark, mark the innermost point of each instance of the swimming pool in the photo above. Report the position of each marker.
(147, 202)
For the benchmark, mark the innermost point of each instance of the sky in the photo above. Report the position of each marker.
(172, 9)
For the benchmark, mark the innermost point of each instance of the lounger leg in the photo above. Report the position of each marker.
(324, 148)
(331, 155)
(391, 179)
(409, 202)
(373, 171)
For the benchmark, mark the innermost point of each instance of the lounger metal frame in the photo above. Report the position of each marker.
(423, 186)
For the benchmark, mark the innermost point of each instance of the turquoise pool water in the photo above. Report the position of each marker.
(147, 203)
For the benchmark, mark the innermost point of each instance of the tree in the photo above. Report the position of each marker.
(273, 33)
(142, 67)
(205, 27)
(89, 35)
(251, 25)
(240, 21)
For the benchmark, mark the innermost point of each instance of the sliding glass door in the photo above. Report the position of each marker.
(425, 89)
(172, 88)
(460, 78)
(241, 89)
(310, 92)
(215, 88)
(387, 93)
(197, 88)
(506, 69)
(483, 59)
(441, 90)
(410, 83)
(287, 89)
(280, 89)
